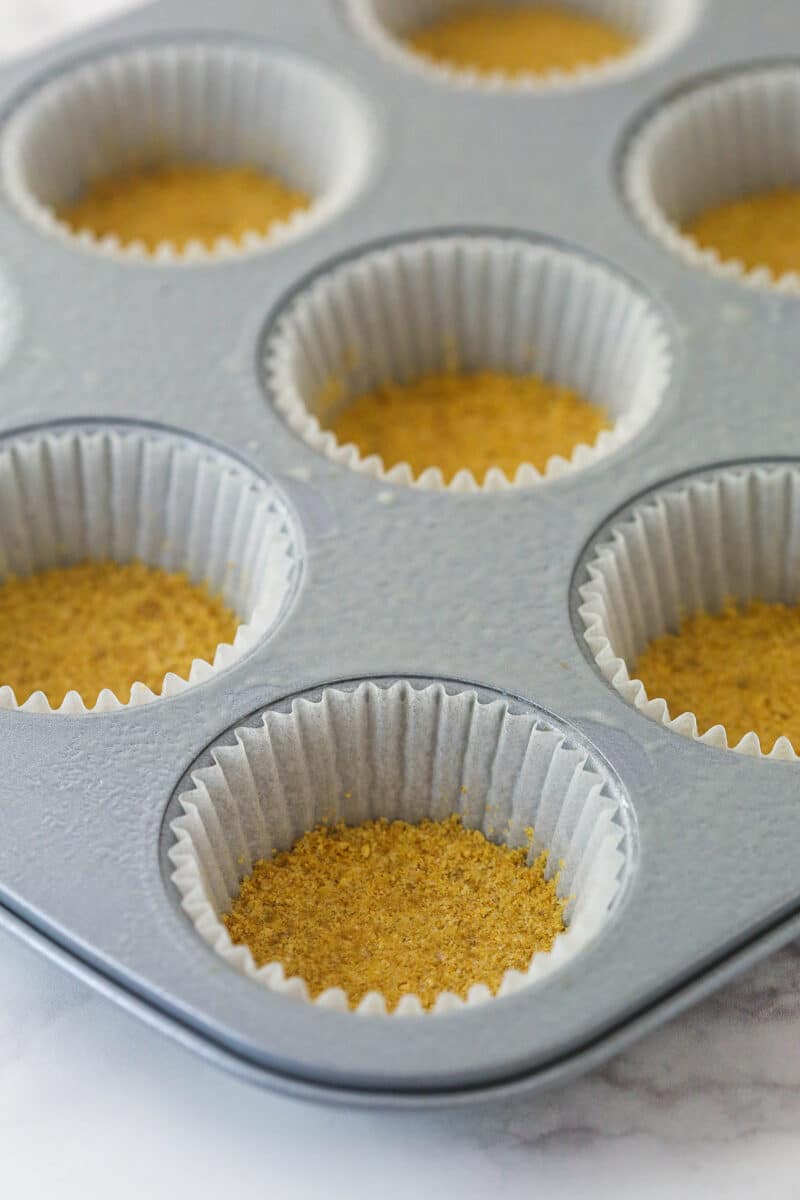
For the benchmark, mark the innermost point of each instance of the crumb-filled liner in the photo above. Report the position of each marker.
(128, 492)
(172, 102)
(723, 140)
(401, 752)
(733, 535)
(469, 303)
(656, 28)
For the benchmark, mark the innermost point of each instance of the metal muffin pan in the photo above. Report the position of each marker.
(396, 581)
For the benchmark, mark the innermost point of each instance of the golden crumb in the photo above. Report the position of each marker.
(737, 668)
(452, 421)
(397, 909)
(183, 202)
(762, 230)
(105, 625)
(518, 40)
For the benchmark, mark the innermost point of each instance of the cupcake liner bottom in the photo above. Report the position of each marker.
(732, 534)
(401, 751)
(724, 139)
(438, 302)
(124, 491)
(656, 26)
(201, 99)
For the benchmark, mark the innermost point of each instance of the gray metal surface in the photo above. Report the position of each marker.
(474, 588)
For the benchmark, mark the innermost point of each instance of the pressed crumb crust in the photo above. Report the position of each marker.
(183, 202)
(737, 668)
(762, 230)
(398, 909)
(476, 421)
(105, 625)
(519, 40)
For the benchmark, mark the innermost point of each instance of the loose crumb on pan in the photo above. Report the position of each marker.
(762, 230)
(103, 624)
(737, 668)
(398, 909)
(455, 420)
(183, 202)
(517, 40)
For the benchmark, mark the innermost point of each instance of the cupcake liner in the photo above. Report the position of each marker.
(722, 140)
(657, 25)
(502, 303)
(400, 751)
(219, 102)
(734, 534)
(92, 492)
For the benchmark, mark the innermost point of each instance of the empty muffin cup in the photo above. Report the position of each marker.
(646, 31)
(726, 141)
(470, 303)
(401, 750)
(713, 543)
(168, 104)
(127, 493)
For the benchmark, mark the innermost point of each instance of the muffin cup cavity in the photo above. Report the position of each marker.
(657, 27)
(472, 302)
(405, 750)
(724, 139)
(225, 103)
(687, 548)
(125, 492)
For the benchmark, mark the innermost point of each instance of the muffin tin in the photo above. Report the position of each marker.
(388, 588)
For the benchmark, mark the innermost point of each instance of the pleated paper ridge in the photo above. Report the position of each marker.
(400, 752)
(129, 493)
(721, 141)
(733, 535)
(475, 302)
(206, 100)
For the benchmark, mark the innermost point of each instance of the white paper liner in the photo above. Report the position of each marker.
(129, 492)
(723, 140)
(400, 752)
(734, 535)
(476, 302)
(212, 101)
(657, 26)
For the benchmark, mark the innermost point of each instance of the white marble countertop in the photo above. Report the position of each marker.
(95, 1104)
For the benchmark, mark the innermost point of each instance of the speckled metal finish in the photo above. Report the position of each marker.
(474, 588)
